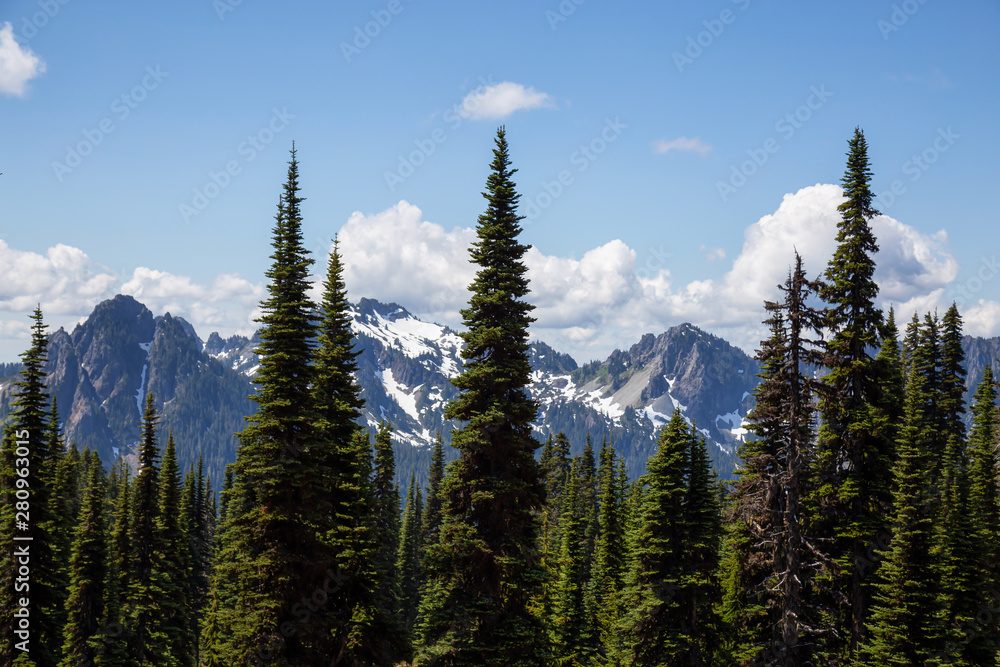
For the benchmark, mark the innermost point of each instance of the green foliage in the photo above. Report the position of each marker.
(855, 454)
(485, 569)
(673, 591)
(909, 617)
(85, 602)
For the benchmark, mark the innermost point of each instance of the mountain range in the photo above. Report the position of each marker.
(100, 373)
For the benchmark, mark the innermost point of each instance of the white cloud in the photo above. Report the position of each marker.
(613, 293)
(68, 284)
(693, 144)
(605, 299)
(65, 280)
(396, 256)
(18, 64)
(501, 100)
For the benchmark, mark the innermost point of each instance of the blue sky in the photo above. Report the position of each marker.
(145, 144)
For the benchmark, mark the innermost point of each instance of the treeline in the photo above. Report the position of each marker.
(863, 527)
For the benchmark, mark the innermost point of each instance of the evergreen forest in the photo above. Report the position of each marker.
(862, 527)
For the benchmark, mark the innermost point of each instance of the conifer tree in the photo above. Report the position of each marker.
(755, 509)
(610, 563)
(952, 374)
(28, 448)
(672, 595)
(144, 595)
(431, 520)
(486, 567)
(387, 536)
(855, 455)
(173, 564)
(346, 465)
(277, 549)
(984, 507)
(114, 637)
(408, 559)
(82, 636)
(908, 619)
(569, 620)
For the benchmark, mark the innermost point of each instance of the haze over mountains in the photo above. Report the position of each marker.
(100, 372)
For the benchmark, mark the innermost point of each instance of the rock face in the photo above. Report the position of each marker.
(101, 372)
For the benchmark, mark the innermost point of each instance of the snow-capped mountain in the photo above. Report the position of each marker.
(406, 365)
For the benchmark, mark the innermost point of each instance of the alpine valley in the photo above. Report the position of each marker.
(101, 372)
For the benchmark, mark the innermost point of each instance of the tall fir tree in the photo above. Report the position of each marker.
(569, 620)
(984, 507)
(388, 623)
(486, 564)
(115, 639)
(173, 564)
(755, 510)
(672, 596)
(408, 559)
(431, 519)
(277, 548)
(855, 454)
(909, 616)
(608, 573)
(82, 634)
(29, 456)
(144, 595)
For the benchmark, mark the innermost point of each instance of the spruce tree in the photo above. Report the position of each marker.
(984, 508)
(755, 510)
(486, 563)
(144, 596)
(610, 563)
(277, 549)
(408, 559)
(569, 620)
(173, 564)
(115, 639)
(388, 623)
(908, 619)
(673, 596)
(431, 520)
(82, 636)
(30, 456)
(855, 456)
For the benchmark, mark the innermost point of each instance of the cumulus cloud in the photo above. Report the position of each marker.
(613, 293)
(685, 144)
(67, 284)
(65, 279)
(223, 305)
(397, 256)
(18, 64)
(585, 306)
(503, 99)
